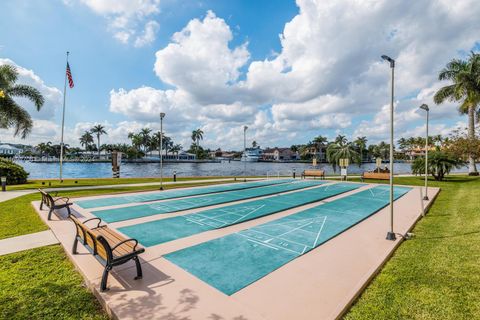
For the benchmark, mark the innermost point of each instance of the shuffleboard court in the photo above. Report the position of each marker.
(161, 231)
(171, 194)
(145, 210)
(234, 261)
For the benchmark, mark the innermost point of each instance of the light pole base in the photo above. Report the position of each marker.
(161, 189)
(426, 198)
(391, 236)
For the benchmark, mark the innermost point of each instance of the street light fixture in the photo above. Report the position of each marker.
(391, 234)
(162, 115)
(245, 153)
(425, 107)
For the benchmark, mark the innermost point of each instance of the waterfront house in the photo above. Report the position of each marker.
(170, 156)
(279, 154)
(7, 150)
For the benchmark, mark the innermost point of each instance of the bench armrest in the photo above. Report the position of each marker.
(64, 198)
(93, 219)
(124, 241)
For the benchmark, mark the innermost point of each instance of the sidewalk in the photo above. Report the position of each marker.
(28, 241)
(4, 196)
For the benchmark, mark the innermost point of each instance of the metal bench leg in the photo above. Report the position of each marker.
(41, 205)
(103, 285)
(74, 247)
(50, 214)
(139, 268)
(68, 210)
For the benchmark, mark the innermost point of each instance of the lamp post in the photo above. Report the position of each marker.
(162, 115)
(245, 153)
(391, 234)
(425, 107)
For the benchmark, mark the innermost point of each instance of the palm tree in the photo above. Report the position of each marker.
(98, 130)
(137, 141)
(12, 115)
(145, 137)
(86, 140)
(361, 143)
(318, 143)
(464, 76)
(44, 148)
(176, 149)
(197, 135)
(341, 139)
(254, 144)
(403, 144)
(341, 150)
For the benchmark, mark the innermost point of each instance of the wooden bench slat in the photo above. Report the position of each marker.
(376, 175)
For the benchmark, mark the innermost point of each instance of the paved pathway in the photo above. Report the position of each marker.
(4, 196)
(28, 241)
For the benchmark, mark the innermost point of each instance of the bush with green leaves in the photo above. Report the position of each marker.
(15, 173)
(439, 164)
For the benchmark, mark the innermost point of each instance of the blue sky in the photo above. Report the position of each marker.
(289, 70)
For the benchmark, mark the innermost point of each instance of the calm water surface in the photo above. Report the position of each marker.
(234, 168)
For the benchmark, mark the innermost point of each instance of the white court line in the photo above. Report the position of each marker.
(225, 213)
(248, 214)
(300, 227)
(266, 245)
(200, 223)
(319, 232)
(274, 237)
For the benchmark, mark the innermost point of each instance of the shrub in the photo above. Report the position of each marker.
(15, 173)
(439, 164)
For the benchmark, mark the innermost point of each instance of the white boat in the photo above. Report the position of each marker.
(252, 154)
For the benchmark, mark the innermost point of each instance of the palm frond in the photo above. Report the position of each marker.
(14, 116)
(444, 93)
(8, 75)
(28, 92)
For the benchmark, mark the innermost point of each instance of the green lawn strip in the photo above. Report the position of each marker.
(55, 183)
(437, 274)
(18, 217)
(43, 284)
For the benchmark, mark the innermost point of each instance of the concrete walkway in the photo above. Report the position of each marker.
(28, 241)
(4, 196)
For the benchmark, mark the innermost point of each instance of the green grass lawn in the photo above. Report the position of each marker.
(436, 275)
(42, 284)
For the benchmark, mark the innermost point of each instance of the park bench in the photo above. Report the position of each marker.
(107, 246)
(375, 175)
(54, 202)
(313, 173)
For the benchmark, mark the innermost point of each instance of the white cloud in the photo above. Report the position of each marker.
(199, 60)
(148, 34)
(126, 18)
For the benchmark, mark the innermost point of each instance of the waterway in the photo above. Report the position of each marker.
(233, 168)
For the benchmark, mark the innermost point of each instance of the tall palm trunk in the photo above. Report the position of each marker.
(472, 168)
(98, 144)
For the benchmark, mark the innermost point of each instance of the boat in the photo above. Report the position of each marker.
(251, 154)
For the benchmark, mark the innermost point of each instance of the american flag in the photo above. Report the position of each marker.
(69, 76)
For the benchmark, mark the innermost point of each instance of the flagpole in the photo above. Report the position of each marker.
(63, 122)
